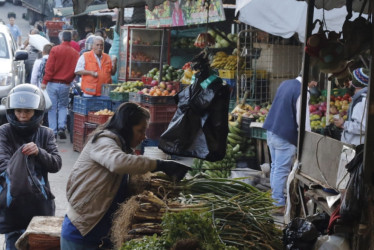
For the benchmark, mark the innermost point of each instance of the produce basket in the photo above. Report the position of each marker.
(115, 105)
(157, 100)
(160, 113)
(119, 96)
(98, 119)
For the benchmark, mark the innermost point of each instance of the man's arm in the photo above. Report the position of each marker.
(80, 68)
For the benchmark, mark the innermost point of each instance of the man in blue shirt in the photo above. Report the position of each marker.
(16, 32)
(282, 124)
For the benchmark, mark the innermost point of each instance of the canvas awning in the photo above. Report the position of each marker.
(98, 9)
(287, 17)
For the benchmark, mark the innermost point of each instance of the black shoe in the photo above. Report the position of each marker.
(61, 133)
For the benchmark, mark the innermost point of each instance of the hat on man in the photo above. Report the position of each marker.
(11, 14)
(360, 78)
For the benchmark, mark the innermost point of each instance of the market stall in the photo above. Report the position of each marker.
(321, 167)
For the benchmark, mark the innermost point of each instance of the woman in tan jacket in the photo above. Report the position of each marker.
(98, 181)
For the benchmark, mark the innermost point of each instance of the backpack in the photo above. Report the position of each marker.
(23, 192)
(41, 71)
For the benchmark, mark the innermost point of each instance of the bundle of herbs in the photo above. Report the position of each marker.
(240, 213)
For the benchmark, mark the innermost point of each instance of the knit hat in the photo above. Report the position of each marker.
(360, 78)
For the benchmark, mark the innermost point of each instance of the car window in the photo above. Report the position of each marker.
(4, 50)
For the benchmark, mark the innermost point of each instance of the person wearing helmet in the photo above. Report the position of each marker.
(96, 68)
(25, 107)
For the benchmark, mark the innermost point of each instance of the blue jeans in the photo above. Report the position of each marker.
(11, 239)
(59, 94)
(282, 155)
(71, 245)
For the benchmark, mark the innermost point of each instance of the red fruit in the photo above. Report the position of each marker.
(154, 83)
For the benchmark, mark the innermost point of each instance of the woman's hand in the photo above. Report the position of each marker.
(30, 149)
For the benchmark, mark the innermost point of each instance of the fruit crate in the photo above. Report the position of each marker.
(157, 100)
(79, 121)
(83, 105)
(135, 97)
(79, 140)
(258, 133)
(155, 130)
(115, 105)
(335, 92)
(147, 80)
(107, 88)
(227, 74)
(160, 113)
(119, 96)
(230, 82)
(97, 119)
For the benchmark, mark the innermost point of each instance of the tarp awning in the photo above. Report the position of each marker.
(287, 17)
(91, 10)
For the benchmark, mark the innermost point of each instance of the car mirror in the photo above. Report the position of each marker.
(21, 55)
(3, 101)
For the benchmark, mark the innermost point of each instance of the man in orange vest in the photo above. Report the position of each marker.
(96, 68)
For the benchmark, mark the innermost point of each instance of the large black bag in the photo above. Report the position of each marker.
(23, 194)
(199, 127)
(352, 202)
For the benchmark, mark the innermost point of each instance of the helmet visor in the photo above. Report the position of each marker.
(24, 100)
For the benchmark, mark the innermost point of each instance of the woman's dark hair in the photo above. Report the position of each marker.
(124, 119)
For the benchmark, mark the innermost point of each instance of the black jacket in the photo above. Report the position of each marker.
(47, 161)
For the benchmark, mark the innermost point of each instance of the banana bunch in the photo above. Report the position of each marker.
(219, 60)
(231, 63)
(237, 146)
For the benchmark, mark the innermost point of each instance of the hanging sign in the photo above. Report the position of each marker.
(184, 12)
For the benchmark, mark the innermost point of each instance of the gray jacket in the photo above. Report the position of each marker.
(355, 126)
(96, 177)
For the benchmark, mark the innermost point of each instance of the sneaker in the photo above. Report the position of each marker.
(61, 133)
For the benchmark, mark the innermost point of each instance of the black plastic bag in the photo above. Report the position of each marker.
(333, 131)
(199, 127)
(320, 221)
(352, 202)
(300, 234)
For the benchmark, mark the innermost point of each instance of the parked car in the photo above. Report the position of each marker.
(12, 70)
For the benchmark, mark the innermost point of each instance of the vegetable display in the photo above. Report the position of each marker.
(175, 213)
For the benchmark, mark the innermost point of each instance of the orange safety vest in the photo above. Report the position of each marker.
(92, 85)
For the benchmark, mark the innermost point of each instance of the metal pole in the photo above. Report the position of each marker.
(304, 89)
(367, 219)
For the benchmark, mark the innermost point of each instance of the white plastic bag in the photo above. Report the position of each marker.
(38, 41)
(48, 102)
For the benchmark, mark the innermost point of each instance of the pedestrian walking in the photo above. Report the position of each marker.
(59, 73)
(16, 32)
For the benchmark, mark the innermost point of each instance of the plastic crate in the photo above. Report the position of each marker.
(155, 130)
(160, 113)
(107, 88)
(115, 105)
(335, 92)
(54, 25)
(148, 143)
(230, 82)
(135, 97)
(157, 100)
(119, 96)
(89, 128)
(78, 142)
(98, 119)
(258, 133)
(83, 105)
(79, 121)
(147, 80)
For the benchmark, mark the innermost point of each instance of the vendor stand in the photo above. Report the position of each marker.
(320, 166)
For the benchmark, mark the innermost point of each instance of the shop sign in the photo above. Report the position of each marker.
(184, 12)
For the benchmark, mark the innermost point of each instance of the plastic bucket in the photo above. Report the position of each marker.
(155, 153)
